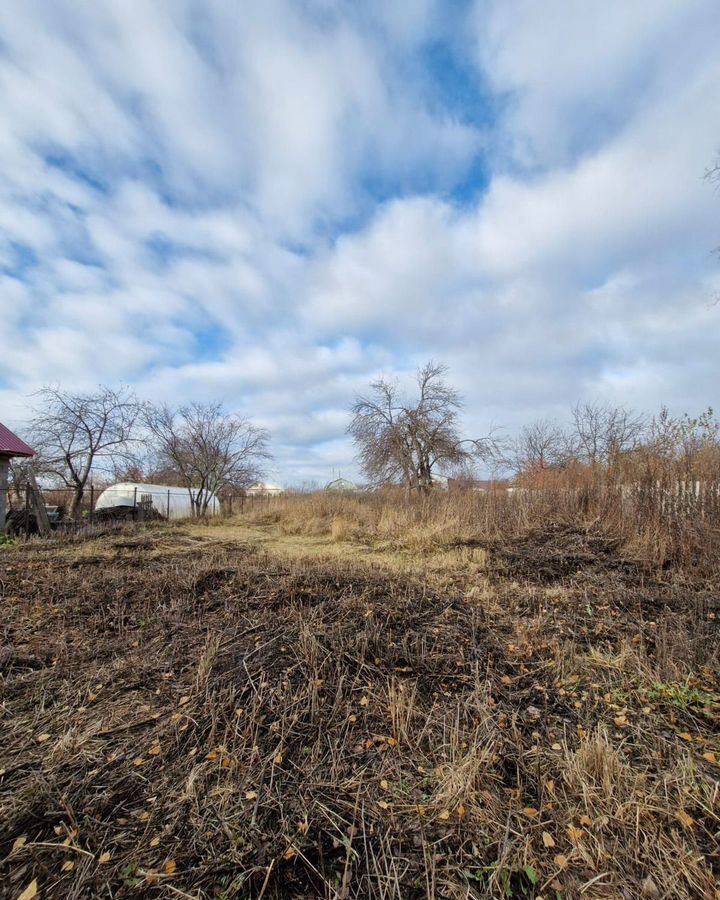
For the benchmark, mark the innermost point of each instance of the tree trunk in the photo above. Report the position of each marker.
(75, 501)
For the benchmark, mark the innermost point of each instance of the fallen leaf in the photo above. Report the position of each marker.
(352, 718)
(506, 679)
(530, 812)
(392, 742)
(574, 834)
(547, 839)
(183, 700)
(67, 866)
(685, 818)
(41, 738)
(278, 759)
(154, 750)
(383, 804)
(649, 888)
(105, 857)
(239, 712)
(556, 747)
(19, 842)
(30, 891)
(290, 852)
(251, 795)
(155, 842)
(710, 757)
(586, 821)
(561, 860)
(170, 867)
(384, 784)
(444, 815)
(461, 811)
(139, 761)
(685, 736)
(364, 701)
(621, 722)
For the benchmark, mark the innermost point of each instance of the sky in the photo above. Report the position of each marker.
(271, 203)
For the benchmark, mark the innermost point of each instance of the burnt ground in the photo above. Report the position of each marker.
(183, 716)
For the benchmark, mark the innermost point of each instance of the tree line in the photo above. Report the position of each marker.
(109, 432)
(409, 438)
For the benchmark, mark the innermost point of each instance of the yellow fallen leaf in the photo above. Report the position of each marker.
(67, 866)
(290, 853)
(421, 810)
(105, 857)
(155, 842)
(685, 818)
(709, 757)
(621, 722)
(41, 738)
(18, 843)
(547, 839)
(392, 742)
(383, 804)
(556, 746)
(251, 795)
(278, 759)
(170, 867)
(139, 761)
(183, 700)
(586, 821)
(461, 811)
(561, 860)
(530, 812)
(352, 718)
(444, 815)
(506, 679)
(685, 736)
(384, 784)
(239, 712)
(30, 891)
(364, 701)
(155, 750)
(574, 834)
(550, 785)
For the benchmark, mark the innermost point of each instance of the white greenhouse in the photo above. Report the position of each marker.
(170, 502)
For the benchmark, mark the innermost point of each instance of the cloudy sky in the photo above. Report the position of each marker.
(271, 202)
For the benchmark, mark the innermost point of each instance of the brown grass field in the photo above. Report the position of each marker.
(345, 699)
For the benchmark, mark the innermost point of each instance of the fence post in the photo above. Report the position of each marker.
(92, 501)
(135, 504)
(168, 505)
(27, 510)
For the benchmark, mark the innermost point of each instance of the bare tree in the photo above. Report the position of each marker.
(406, 441)
(76, 434)
(541, 445)
(207, 448)
(603, 432)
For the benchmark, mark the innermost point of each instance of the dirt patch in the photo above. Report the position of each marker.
(217, 721)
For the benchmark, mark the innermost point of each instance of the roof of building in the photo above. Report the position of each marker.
(11, 445)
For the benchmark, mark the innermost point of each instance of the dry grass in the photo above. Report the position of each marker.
(226, 723)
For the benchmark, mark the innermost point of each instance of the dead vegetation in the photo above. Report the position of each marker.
(187, 716)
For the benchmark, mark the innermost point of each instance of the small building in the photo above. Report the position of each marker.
(264, 489)
(170, 502)
(341, 485)
(11, 446)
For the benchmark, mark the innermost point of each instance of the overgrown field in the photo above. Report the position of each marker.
(188, 715)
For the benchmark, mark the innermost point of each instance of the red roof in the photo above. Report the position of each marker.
(11, 445)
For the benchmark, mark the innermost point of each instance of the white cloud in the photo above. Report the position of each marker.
(272, 204)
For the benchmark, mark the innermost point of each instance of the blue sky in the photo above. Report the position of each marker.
(270, 203)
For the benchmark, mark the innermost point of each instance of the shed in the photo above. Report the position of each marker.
(171, 502)
(10, 446)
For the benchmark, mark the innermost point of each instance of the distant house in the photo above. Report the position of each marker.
(264, 489)
(341, 485)
(11, 446)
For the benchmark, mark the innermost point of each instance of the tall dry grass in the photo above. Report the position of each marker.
(652, 519)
